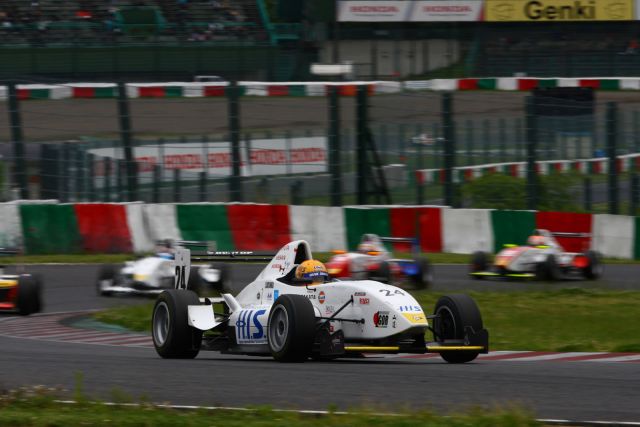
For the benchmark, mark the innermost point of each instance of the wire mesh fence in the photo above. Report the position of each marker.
(194, 143)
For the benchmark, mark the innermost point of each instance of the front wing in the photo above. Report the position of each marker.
(506, 274)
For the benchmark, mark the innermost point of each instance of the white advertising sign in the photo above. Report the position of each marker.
(262, 157)
(410, 11)
(451, 11)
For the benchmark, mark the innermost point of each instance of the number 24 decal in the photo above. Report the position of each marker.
(388, 293)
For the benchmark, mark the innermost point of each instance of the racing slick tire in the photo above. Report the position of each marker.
(172, 335)
(106, 277)
(453, 314)
(424, 278)
(382, 274)
(479, 262)
(547, 270)
(594, 268)
(195, 283)
(39, 285)
(291, 331)
(28, 298)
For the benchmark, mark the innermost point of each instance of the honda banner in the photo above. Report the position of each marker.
(410, 11)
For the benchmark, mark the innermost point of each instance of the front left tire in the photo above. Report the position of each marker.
(28, 300)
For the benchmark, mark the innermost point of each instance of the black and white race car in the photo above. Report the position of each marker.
(291, 320)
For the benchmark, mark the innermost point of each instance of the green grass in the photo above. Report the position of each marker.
(568, 319)
(38, 407)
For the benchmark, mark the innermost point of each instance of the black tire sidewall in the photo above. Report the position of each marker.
(465, 312)
(182, 341)
(301, 328)
(28, 295)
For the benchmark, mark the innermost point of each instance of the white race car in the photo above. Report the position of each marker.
(543, 258)
(153, 274)
(275, 315)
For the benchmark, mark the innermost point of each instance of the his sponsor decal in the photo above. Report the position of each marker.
(393, 322)
(311, 296)
(360, 294)
(329, 309)
(268, 285)
(364, 301)
(416, 319)
(321, 297)
(410, 309)
(276, 294)
(249, 329)
(381, 319)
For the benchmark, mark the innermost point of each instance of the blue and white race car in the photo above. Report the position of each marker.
(292, 316)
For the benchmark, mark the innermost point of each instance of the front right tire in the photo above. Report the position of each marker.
(173, 337)
(28, 300)
(454, 314)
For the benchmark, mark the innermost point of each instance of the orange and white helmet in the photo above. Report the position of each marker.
(312, 270)
(536, 240)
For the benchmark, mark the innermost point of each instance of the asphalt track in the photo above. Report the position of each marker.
(551, 389)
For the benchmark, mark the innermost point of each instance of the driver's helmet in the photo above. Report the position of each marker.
(312, 270)
(366, 247)
(536, 240)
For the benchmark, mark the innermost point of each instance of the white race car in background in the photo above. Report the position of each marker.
(154, 274)
(542, 259)
(277, 316)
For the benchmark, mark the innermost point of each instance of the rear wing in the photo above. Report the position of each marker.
(184, 256)
(414, 241)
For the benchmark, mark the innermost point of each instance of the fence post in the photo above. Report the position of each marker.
(361, 141)
(65, 170)
(334, 147)
(502, 137)
(49, 171)
(15, 119)
(80, 181)
(532, 142)
(107, 179)
(235, 181)
(176, 186)
(419, 166)
(612, 136)
(91, 188)
(157, 180)
(449, 148)
(469, 142)
(202, 188)
(633, 197)
(486, 141)
(127, 145)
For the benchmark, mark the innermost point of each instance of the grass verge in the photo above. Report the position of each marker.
(568, 319)
(39, 407)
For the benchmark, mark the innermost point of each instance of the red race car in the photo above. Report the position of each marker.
(373, 261)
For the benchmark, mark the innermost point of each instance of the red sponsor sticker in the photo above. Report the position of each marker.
(364, 301)
(321, 297)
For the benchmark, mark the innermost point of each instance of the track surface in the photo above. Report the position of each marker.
(551, 389)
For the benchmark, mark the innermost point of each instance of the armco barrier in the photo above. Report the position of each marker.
(103, 227)
(205, 222)
(511, 227)
(613, 235)
(259, 227)
(50, 229)
(324, 226)
(10, 227)
(467, 231)
(66, 228)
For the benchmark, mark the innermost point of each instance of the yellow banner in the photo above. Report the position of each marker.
(558, 10)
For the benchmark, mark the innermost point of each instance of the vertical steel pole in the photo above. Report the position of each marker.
(361, 151)
(612, 136)
(449, 147)
(532, 143)
(127, 145)
(235, 181)
(19, 162)
(334, 147)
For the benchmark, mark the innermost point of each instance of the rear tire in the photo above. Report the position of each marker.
(382, 274)
(291, 331)
(479, 262)
(453, 314)
(424, 278)
(28, 299)
(172, 335)
(547, 270)
(106, 277)
(594, 269)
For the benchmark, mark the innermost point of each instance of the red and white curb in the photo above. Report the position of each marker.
(49, 327)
